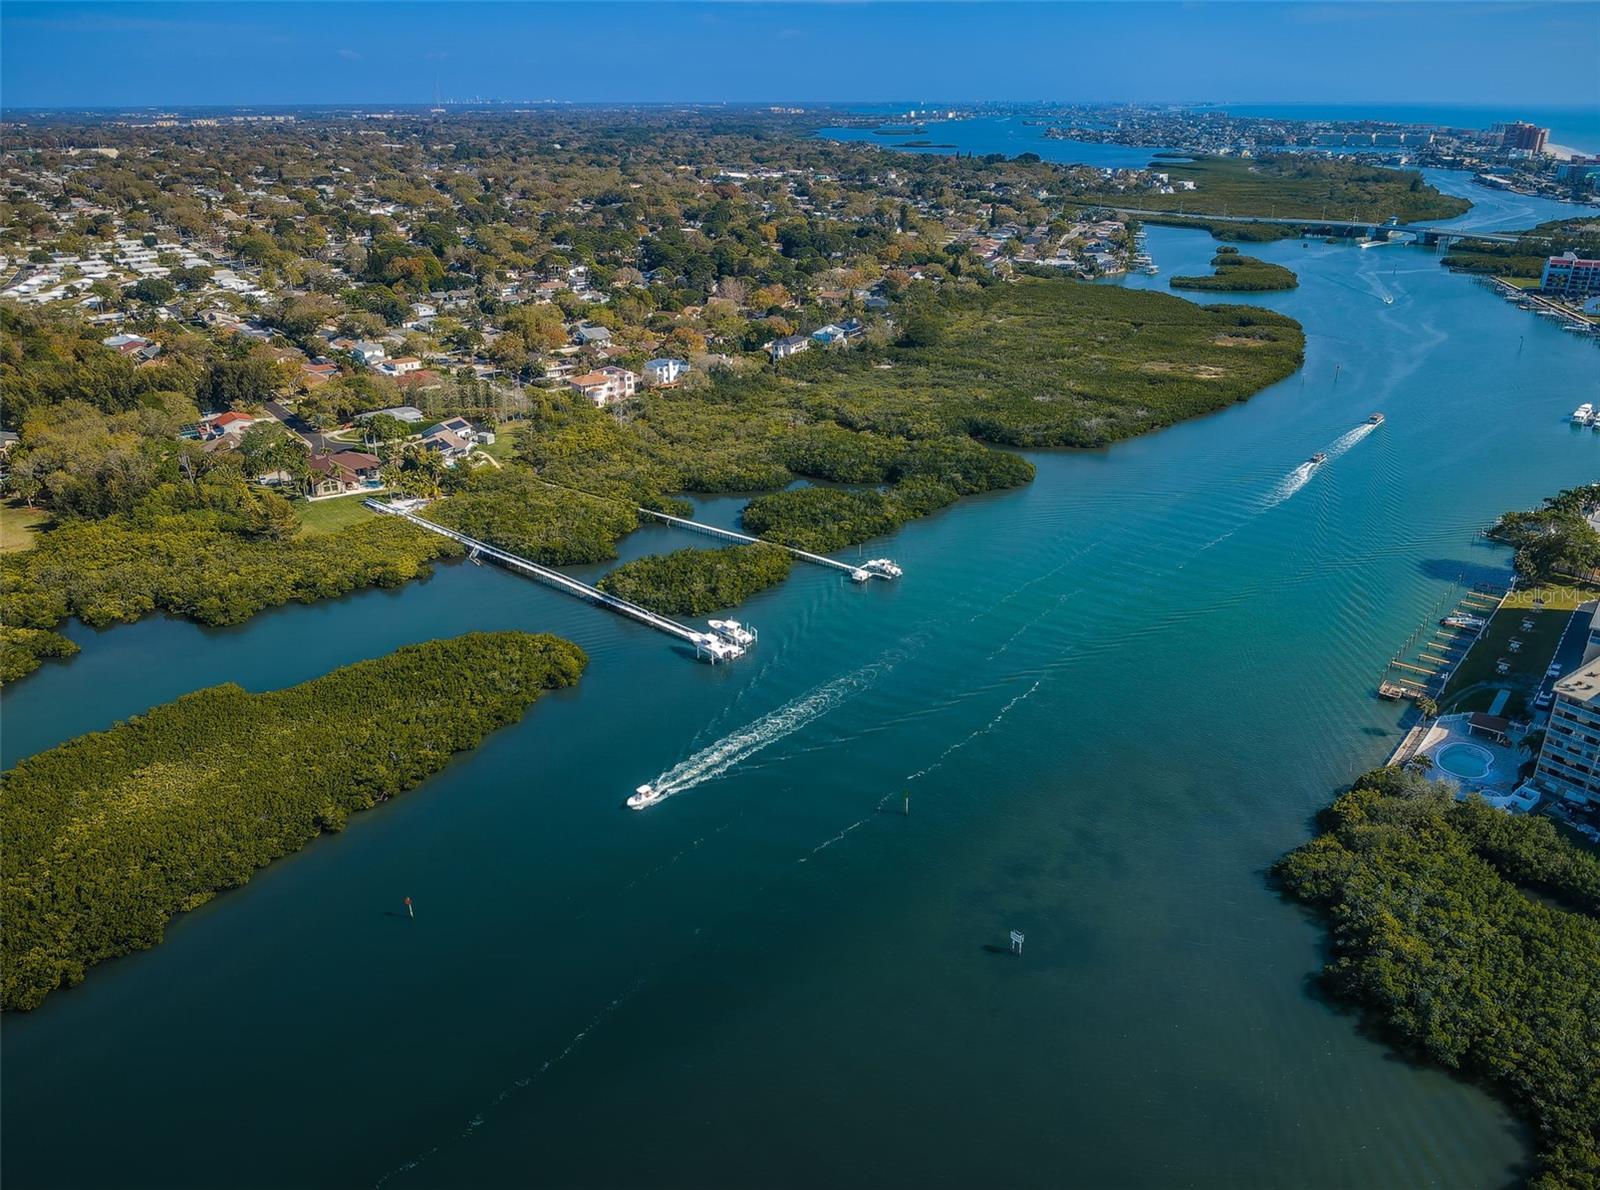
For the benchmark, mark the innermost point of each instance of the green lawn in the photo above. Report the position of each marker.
(329, 516)
(19, 525)
(505, 443)
(1555, 597)
(1475, 683)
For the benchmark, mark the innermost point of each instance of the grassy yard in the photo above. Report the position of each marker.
(1557, 598)
(1475, 683)
(19, 525)
(329, 516)
(504, 445)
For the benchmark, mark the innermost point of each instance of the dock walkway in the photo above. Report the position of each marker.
(874, 569)
(705, 644)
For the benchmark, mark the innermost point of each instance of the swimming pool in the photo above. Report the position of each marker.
(1467, 762)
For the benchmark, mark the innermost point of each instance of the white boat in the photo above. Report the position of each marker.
(645, 795)
(733, 632)
(882, 566)
(1468, 623)
(860, 576)
(716, 649)
(1582, 414)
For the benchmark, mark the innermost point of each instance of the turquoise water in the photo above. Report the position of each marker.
(1464, 760)
(1115, 696)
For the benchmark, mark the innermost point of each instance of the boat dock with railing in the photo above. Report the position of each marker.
(858, 571)
(726, 641)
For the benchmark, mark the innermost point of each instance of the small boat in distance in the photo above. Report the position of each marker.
(1375, 420)
(1465, 623)
(645, 795)
(1317, 459)
(1581, 415)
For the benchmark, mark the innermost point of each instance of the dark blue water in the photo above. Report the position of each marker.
(1115, 696)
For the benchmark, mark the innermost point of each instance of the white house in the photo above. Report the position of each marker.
(370, 354)
(604, 386)
(663, 372)
(788, 345)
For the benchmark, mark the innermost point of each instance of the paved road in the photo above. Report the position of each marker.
(319, 442)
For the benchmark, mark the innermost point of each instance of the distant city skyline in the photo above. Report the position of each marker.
(66, 54)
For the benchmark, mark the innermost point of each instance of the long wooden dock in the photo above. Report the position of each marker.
(745, 539)
(705, 643)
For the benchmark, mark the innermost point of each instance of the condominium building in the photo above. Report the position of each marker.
(1529, 138)
(1570, 276)
(1569, 762)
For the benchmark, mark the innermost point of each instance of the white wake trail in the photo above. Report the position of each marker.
(736, 747)
(1301, 475)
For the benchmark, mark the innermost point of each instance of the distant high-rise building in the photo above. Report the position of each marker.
(1528, 137)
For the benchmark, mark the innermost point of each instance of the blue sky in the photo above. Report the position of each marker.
(63, 53)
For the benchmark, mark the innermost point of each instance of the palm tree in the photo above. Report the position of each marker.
(1428, 708)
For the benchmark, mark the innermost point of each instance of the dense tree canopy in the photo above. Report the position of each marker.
(1473, 938)
(1556, 542)
(693, 582)
(113, 833)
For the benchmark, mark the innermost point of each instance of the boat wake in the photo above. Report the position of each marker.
(896, 794)
(959, 744)
(738, 746)
(1301, 475)
(517, 1085)
(1291, 483)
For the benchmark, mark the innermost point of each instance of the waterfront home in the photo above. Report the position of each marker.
(347, 471)
(662, 373)
(607, 385)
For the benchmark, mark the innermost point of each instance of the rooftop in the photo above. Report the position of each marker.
(1582, 684)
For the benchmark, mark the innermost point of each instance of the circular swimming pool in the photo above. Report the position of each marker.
(1466, 761)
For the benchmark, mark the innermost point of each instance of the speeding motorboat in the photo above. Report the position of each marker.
(1375, 420)
(645, 795)
(1317, 459)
